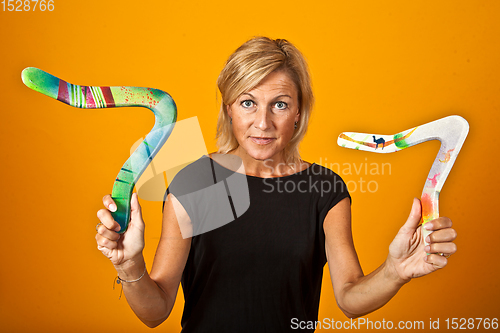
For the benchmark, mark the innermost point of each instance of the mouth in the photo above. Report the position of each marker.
(261, 140)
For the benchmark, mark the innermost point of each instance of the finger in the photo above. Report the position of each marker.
(439, 223)
(105, 242)
(107, 252)
(109, 203)
(109, 234)
(446, 248)
(413, 220)
(436, 260)
(442, 236)
(105, 217)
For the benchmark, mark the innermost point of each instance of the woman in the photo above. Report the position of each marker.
(262, 272)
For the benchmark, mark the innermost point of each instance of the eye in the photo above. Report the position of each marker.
(281, 105)
(247, 104)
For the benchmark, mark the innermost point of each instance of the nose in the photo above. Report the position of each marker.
(262, 119)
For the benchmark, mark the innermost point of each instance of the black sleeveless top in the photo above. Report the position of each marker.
(264, 267)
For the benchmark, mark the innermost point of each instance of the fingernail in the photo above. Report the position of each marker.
(427, 249)
(118, 228)
(112, 207)
(428, 239)
(428, 226)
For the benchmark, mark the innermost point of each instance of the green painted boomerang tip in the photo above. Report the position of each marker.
(93, 97)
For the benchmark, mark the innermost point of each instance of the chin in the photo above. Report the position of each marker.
(262, 154)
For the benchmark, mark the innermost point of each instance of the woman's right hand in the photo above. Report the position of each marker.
(124, 248)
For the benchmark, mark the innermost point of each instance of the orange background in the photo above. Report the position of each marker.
(377, 66)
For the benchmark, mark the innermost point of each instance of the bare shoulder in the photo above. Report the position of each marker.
(339, 216)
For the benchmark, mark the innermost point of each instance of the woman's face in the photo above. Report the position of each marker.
(264, 117)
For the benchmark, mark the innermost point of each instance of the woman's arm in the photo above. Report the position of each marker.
(152, 297)
(358, 294)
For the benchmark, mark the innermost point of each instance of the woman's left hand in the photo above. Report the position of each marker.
(410, 257)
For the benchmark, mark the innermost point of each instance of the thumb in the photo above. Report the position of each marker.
(135, 208)
(413, 220)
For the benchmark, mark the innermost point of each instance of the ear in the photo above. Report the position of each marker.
(229, 112)
(297, 117)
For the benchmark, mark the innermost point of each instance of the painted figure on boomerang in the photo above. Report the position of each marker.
(92, 97)
(450, 131)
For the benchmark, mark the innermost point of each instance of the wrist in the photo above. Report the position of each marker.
(131, 269)
(392, 273)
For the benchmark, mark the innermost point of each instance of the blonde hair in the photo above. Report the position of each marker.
(251, 63)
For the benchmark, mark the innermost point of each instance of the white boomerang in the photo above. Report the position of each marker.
(450, 131)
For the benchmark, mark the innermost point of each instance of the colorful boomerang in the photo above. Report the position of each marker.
(451, 131)
(87, 97)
